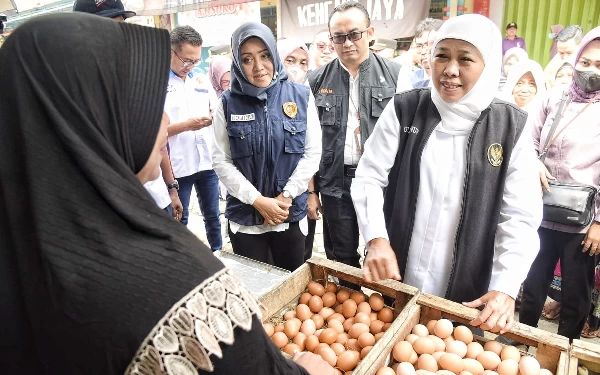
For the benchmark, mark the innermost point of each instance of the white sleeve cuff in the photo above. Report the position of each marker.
(506, 283)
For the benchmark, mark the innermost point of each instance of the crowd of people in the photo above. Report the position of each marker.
(439, 158)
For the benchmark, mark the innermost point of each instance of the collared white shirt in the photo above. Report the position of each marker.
(158, 190)
(195, 97)
(238, 186)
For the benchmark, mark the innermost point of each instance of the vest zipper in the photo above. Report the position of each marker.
(268, 150)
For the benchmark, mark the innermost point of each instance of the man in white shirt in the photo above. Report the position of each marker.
(189, 103)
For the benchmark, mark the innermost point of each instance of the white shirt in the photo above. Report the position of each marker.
(238, 186)
(158, 190)
(439, 200)
(190, 151)
(352, 144)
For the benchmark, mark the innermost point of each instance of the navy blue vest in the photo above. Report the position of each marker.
(266, 145)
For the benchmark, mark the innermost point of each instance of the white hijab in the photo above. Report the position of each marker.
(482, 33)
(515, 75)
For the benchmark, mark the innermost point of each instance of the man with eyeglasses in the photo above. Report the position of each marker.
(322, 50)
(424, 37)
(189, 103)
(350, 93)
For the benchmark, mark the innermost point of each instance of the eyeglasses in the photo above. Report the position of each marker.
(187, 64)
(322, 46)
(341, 38)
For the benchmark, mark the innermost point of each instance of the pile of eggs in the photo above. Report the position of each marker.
(340, 326)
(439, 348)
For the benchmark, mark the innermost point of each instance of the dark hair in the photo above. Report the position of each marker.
(428, 24)
(570, 32)
(185, 34)
(349, 5)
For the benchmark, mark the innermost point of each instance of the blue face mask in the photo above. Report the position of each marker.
(587, 81)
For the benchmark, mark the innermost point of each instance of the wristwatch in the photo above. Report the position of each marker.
(286, 194)
(174, 185)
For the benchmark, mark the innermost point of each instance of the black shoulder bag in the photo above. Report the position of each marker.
(567, 203)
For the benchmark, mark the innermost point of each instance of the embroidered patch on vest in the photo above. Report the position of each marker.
(248, 117)
(494, 154)
(290, 109)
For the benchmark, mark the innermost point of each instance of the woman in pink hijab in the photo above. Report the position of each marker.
(219, 73)
(294, 54)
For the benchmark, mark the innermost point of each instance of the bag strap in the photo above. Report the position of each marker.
(557, 118)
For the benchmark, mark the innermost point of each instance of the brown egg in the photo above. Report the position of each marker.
(304, 298)
(386, 315)
(510, 352)
(443, 328)
(489, 360)
(474, 349)
(438, 355)
(365, 351)
(463, 372)
(427, 362)
(378, 336)
(473, 366)
(291, 328)
(349, 308)
(329, 299)
(348, 323)
(289, 315)
(424, 372)
(338, 348)
(414, 357)
(366, 339)
(316, 289)
(420, 330)
(529, 366)
(361, 317)
(508, 367)
(405, 368)
(279, 328)
(402, 351)
(326, 312)
(385, 371)
(448, 340)
(269, 329)
(411, 337)
(291, 349)
(343, 295)
(311, 343)
(376, 326)
(457, 347)
(430, 324)
(300, 340)
(328, 336)
(318, 332)
(489, 372)
(328, 355)
(279, 339)
(352, 344)
(331, 287)
(336, 325)
(337, 316)
(308, 327)
(493, 346)
(440, 345)
(452, 362)
(376, 301)
(348, 360)
(363, 307)
(358, 297)
(315, 303)
(386, 326)
(320, 347)
(424, 345)
(444, 372)
(303, 312)
(319, 321)
(342, 338)
(358, 329)
(337, 308)
(373, 315)
(464, 334)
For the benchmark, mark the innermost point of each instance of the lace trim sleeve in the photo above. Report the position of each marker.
(195, 327)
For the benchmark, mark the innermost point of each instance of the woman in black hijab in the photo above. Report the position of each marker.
(94, 277)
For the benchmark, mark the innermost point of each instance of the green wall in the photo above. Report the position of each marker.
(534, 18)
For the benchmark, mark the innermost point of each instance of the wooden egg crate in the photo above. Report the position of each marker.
(584, 354)
(284, 297)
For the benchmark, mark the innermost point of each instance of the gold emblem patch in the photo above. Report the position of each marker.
(494, 154)
(290, 109)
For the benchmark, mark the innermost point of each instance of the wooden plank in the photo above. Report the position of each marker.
(586, 354)
(280, 295)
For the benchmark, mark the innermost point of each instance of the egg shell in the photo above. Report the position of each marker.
(308, 327)
(414, 357)
(361, 317)
(342, 338)
(529, 366)
(510, 352)
(319, 321)
(318, 332)
(430, 324)
(376, 326)
(452, 362)
(328, 355)
(343, 295)
(365, 351)
(348, 323)
(438, 355)
(386, 326)
(378, 336)
(303, 312)
(420, 330)
(440, 345)
(449, 339)
(337, 348)
(328, 336)
(443, 328)
(473, 366)
(464, 334)
(463, 372)
(316, 289)
(331, 287)
(405, 368)
(457, 347)
(289, 315)
(358, 297)
(338, 308)
(411, 337)
(348, 360)
(424, 345)
(329, 299)
(352, 344)
(336, 325)
(423, 372)
(373, 315)
(291, 328)
(489, 372)
(545, 372)
(269, 329)
(386, 315)
(489, 360)
(320, 347)
(315, 303)
(366, 339)
(326, 312)
(474, 349)
(402, 351)
(336, 316)
(349, 308)
(493, 346)
(304, 298)
(358, 329)
(427, 362)
(364, 307)
(279, 328)
(300, 340)
(291, 349)
(279, 339)
(508, 367)
(385, 371)
(444, 372)
(376, 301)
(311, 343)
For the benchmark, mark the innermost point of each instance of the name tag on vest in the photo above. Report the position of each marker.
(248, 117)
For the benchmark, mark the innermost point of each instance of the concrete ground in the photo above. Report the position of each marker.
(196, 225)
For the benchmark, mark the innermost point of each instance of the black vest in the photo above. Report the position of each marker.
(499, 124)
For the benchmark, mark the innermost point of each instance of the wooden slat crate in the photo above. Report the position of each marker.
(584, 354)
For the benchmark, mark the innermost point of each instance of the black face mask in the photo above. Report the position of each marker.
(587, 81)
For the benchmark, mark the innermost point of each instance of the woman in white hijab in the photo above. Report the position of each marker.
(524, 84)
(512, 57)
(460, 208)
